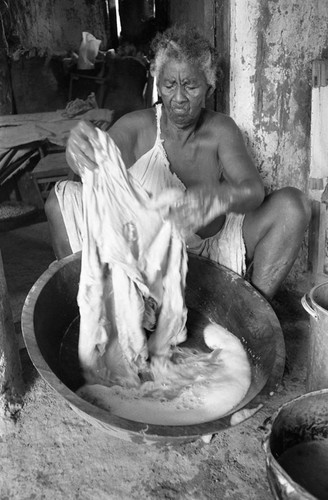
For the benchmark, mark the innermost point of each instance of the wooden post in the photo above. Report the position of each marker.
(222, 45)
(6, 104)
(11, 382)
(317, 243)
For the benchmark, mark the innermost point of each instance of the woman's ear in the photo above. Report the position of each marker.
(209, 92)
(152, 68)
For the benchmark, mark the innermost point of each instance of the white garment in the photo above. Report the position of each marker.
(152, 170)
(226, 247)
(133, 273)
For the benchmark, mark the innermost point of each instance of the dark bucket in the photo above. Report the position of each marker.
(212, 292)
(291, 448)
(316, 304)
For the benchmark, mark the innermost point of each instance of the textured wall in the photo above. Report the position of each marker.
(56, 25)
(272, 45)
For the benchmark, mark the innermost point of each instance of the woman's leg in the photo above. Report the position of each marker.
(273, 234)
(59, 237)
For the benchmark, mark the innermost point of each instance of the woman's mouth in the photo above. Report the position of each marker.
(179, 110)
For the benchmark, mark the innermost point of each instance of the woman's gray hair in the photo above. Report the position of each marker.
(185, 43)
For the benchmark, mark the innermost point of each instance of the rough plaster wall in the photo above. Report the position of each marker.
(57, 25)
(272, 45)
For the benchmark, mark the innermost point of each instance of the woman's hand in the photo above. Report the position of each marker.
(79, 148)
(197, 208)
(192, 209)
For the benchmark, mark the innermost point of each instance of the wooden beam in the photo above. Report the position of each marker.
(6, 96)
(317, 243)
(222, 45)
(11, 382)
(212, 18)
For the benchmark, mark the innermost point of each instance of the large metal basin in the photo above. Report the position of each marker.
(212, 291)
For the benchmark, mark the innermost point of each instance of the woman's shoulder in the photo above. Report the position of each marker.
(219, 119)
(134, 133)
(222, 126)
(135, 121)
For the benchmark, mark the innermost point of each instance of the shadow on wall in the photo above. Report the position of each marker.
(36, 87)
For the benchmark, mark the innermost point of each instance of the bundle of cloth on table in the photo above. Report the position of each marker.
(26, 137)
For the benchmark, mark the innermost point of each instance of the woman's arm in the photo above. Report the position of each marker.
(81, 144)
(242, 189)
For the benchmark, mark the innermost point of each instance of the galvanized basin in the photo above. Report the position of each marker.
(212, 291)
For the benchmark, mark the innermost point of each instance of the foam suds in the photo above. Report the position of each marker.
(190, 388)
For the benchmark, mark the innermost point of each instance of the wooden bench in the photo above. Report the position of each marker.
(34, 186)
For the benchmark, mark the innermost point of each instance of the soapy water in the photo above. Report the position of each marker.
(192, 387)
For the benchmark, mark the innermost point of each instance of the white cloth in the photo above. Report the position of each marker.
(132, 276)
(227, 247)
(69, 196)
(152, 170)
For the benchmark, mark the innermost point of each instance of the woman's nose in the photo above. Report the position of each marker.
(180, 95)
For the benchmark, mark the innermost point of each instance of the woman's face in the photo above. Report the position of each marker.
(183, 89)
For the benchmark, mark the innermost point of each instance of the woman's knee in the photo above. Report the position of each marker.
(57, 228)
(293, 205)
(51, 206)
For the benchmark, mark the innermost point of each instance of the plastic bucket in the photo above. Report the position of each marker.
(316, 304)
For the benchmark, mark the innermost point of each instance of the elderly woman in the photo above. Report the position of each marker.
(179, 144)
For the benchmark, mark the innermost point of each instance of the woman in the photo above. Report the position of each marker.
(222, 208)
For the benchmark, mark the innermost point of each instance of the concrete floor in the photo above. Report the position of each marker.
(53, 453)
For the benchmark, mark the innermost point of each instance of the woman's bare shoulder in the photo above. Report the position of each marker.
(224, 129)
(218, 119)
(132, 133)
(134, 121)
